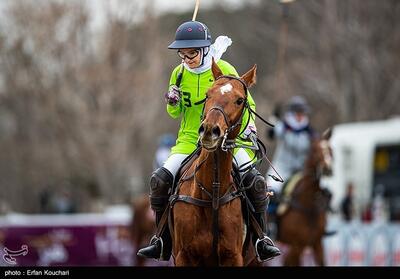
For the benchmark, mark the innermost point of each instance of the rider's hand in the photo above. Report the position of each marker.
(173, 96)
(250, 131)
(250, 134)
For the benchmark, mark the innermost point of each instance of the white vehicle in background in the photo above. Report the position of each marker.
(367, 155)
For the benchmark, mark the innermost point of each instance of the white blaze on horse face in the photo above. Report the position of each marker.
(226, 88)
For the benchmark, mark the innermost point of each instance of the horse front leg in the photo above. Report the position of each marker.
(293, 256)
(183, 259)
(232, 259)
(318, 253)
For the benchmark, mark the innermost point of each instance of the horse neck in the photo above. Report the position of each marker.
(206, 175)
(310, 181)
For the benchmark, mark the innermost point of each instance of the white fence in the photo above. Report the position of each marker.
(361, 244)
(354, 244)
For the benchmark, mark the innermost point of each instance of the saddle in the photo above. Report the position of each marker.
(286, 194)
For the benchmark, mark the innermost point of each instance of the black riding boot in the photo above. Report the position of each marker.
(264, 246)
(160, 184)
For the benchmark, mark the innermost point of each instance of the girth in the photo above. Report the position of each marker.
(227, 197)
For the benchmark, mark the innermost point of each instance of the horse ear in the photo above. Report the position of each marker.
(326, 135)
(215, 69)
(250, 77)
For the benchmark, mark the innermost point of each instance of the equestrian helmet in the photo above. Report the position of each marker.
(298, 104)
(191, 34)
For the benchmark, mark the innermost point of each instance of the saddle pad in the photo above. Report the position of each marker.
(287, 193)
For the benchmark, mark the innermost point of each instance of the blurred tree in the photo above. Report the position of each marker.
(86, 105)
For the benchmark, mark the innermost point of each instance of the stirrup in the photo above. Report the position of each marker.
(153, 241)
(270, 242)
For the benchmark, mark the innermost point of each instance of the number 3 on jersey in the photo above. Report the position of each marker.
(186, 99)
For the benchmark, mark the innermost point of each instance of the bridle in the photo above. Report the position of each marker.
(230, 126)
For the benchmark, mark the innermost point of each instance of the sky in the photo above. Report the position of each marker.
(132, 10)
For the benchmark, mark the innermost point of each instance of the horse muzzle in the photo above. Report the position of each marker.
(210, 136)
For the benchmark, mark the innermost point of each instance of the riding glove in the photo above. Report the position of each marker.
(173, 96)
(250, 133)
(251, 129)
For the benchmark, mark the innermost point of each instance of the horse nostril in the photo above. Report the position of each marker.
(216, 132)
(201, 130)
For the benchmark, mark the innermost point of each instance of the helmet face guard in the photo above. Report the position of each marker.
(191, 34)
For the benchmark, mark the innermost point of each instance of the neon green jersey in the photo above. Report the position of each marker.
(194, 88)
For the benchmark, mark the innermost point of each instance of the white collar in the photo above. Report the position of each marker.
(216, 50)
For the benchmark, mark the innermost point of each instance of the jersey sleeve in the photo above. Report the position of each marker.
(174, 111)
(252, 105)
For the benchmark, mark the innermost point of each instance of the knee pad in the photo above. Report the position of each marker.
(160, 184)
(258, 190)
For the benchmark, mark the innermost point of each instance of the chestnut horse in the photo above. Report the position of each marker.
(143, 225)
(302, 224)
(208, 227)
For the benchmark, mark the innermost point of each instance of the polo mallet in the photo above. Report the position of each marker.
(179, 78)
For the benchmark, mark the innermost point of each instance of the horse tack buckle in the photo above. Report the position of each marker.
(223, 144)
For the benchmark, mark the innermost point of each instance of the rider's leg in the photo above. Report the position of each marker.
(257, 194)
(160, 190)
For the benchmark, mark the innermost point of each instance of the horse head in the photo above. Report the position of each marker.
(224, 107)
(322, 153)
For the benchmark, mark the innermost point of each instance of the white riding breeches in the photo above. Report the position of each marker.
(174, 161)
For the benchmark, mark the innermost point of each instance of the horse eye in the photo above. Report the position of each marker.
(239, 101)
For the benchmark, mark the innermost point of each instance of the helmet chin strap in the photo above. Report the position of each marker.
(203, 52)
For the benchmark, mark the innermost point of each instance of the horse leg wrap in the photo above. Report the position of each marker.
(258, 190)
(160, 185)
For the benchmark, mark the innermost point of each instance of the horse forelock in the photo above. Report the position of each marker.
(326, 153)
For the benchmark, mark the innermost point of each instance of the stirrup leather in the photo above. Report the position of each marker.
(269, 240)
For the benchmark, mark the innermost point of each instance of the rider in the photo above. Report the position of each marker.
(188, 85)
(293, 134)
(163, 150)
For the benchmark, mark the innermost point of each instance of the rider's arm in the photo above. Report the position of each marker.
(174, 111)
(252, 105)
(279, 130)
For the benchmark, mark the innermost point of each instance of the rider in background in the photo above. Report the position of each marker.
(185, 98)
(164, 149)
(293, 134)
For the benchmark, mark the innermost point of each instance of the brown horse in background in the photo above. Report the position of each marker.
(208, 227)
(303, 222)
(143, 225)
